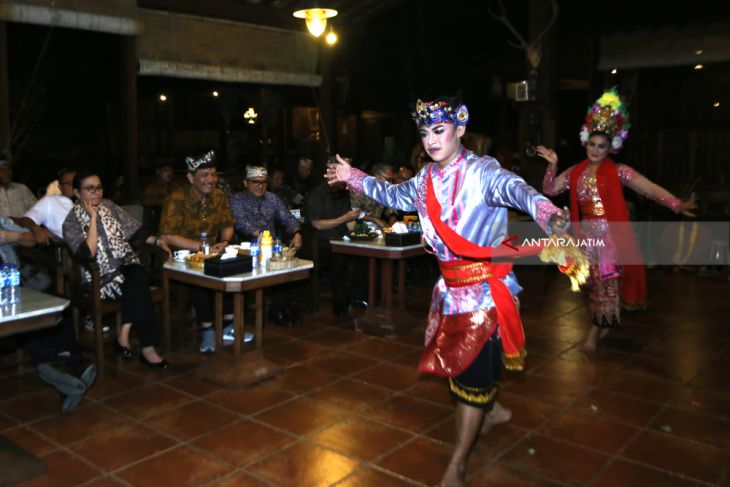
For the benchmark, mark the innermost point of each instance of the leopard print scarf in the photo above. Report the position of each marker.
(117, 247)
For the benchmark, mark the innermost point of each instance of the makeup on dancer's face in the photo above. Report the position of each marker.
(437, 129)
(597, 148)
(598, 145)
(435, 138)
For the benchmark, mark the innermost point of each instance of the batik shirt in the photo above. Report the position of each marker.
(15, 200)
(186, 215)
(265, 213)
(474, 193)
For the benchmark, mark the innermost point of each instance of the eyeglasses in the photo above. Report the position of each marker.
(260, 184)
(93, 189)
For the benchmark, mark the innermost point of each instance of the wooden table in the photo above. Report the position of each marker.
(238, 370)
(381, 318)
(35, 310)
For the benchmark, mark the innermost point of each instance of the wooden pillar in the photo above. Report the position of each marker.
(537, 116)
(4, 92)
(130, 130)
(326, 110)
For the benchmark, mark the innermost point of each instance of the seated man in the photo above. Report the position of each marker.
(404, 174)
(301, 182)
(155, 192)
(45, 218)
(190, 211)
(256, 210)
(10, 236)
(373, 211)
(51, 347)
(15, 198)
(281, 189)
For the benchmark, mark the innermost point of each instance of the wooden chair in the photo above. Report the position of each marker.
(87, 298)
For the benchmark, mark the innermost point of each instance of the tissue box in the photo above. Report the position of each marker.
(402, 239)
(227, 267)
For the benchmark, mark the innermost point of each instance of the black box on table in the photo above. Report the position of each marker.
(402, 239)
(215, 266)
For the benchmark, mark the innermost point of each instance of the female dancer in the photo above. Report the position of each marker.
(597, 202)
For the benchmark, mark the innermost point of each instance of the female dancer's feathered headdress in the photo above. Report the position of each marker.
(607, 116)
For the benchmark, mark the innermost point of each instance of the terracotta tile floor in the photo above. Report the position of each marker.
(652, 408)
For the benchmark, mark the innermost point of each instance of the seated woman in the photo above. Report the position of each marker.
(97, 229)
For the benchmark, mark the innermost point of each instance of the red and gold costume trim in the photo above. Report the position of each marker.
(592, 210)
(457, 341)
(633, 280)
(459, 338)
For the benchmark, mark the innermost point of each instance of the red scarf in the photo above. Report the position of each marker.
(510, 324)
(633, 279)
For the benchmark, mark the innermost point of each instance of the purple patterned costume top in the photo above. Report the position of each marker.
(474, 193)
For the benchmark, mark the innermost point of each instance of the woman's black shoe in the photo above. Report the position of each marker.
(155, 365)
(123, 351)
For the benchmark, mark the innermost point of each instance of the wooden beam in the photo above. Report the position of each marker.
(130, 142)
(4, 92)
(228, 10)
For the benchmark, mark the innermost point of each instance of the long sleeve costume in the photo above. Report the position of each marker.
(474, 194)
(597, 202)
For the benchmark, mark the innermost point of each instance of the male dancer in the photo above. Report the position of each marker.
(462, 202)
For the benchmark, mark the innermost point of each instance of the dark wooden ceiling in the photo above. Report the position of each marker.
(275, 13)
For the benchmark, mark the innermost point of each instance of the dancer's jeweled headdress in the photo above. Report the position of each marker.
(203, 162)
(608, 116)
(443, 109)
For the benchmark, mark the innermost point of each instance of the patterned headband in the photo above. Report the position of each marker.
(256, 172)
(204, 162)
(429, 113)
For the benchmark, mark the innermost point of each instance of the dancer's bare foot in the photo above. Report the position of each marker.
(591, 341)
(498, 415)
(454, 476)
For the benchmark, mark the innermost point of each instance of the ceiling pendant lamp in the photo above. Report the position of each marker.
(315, 18)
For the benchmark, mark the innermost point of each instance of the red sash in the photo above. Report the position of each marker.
(633, 279)
(510, 324)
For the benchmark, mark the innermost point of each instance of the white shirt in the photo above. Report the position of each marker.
(50, 212)
(53, 188)
(15, 200)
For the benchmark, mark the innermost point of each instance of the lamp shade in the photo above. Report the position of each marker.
(315, 18)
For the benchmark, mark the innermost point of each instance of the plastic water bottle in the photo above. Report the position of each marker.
(4, 289)
(254, 251)
(14, 293)
(277, 247)
(204, 244)
(11, 284)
